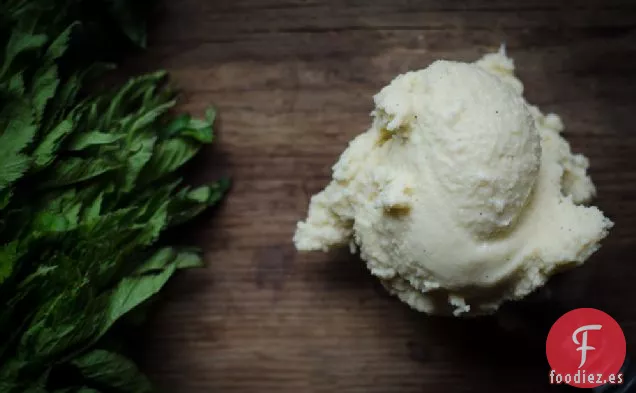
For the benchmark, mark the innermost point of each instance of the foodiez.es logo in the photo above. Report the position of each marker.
(585, 348)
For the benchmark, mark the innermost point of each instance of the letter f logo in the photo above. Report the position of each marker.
(573, 349)
(583, 344)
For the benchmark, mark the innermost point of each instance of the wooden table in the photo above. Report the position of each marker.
(293, 81)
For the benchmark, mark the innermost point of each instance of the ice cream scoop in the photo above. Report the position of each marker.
(460, 195)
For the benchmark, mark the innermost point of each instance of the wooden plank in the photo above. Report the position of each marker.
(263, 20)
(293, 81)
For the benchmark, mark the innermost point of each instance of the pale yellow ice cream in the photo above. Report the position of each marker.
(461, 195)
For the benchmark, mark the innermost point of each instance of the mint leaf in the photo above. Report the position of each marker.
(175, 125)
(45, 84)
(168, 156)
(89, 178)
(132, 90)
(8, 259)
(5, 198)
(136, 162)
(59, 45)
(20, 42)
(186, 127)
(190, 203)
(157, 262)
(150, 116)
(45, 152)
(113, 371)
(11, 168)
(67, 321)
(134, 290)
(188, 259)
(93, 138)
(15, 85)
(17, 135)
(93, 210)
(76, 170)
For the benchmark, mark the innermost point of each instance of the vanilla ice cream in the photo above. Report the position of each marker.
(461, 195)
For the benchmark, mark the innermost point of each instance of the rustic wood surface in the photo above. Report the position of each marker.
(293, 81)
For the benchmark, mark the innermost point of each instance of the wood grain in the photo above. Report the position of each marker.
(293, 81)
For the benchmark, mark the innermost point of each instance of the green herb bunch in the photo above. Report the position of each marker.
(88, 182)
